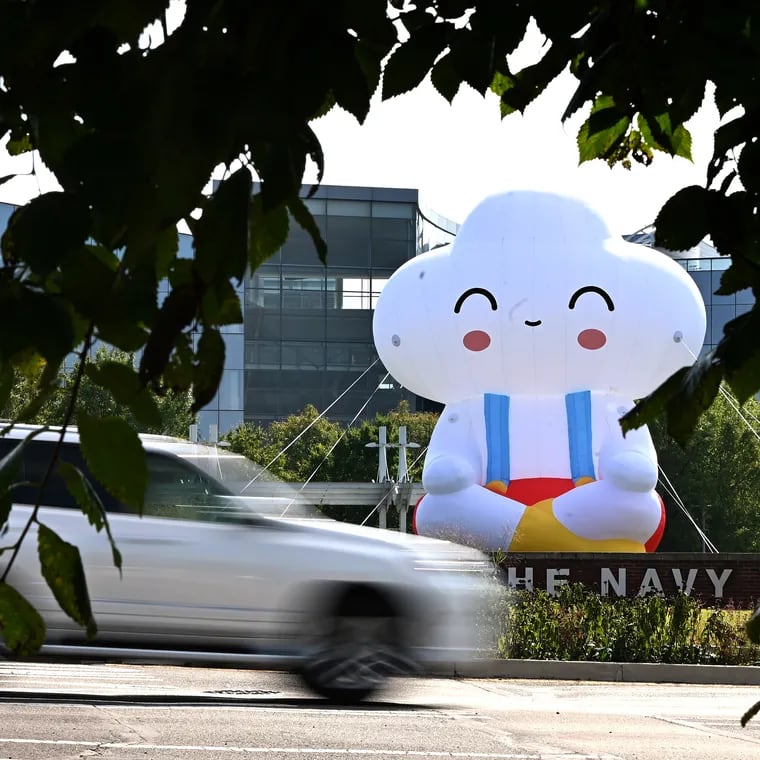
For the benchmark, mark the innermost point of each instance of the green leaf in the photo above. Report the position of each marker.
(563, 19)
(351, 86)
(268, 231)
(749, 167)
(739, 354)
(221, 305)
(472, 57)
(86, 496)
(178, 374)
(124, 335)
(412, 60)
(124, 384)
(303, 216)
(43, 232)
(21, 626)
(18, 145)
(603, 130)
(740, 275)
(370, 59)
(659, 133)
(733, 227)
(681, 142)
(700, 387)
(116, 457)
(683, 397)
(176, 313)
(220, 236)
(528, 83)
(445, 77)
(49, 325)
(651, 407)
(167, 247)
(503, 84)
(62, 568)
(684, 220)
(728, 137)
(314, 151)
(281, 166)
(208, 371)
(41, 322)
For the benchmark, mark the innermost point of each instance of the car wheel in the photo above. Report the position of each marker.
(357, 649)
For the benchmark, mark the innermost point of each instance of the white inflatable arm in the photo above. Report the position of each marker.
(629, 462)
(453, 461)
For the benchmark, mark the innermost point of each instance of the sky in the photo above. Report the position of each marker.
(458, 154)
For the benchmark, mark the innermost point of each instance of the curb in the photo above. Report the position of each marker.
(567, 670)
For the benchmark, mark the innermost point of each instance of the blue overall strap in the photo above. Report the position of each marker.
(578, 407)
(496, 409)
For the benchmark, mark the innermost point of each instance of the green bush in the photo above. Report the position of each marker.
(578, 624)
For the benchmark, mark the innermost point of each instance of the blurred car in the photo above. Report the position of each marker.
(210, 574)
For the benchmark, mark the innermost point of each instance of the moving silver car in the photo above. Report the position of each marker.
(207, 576)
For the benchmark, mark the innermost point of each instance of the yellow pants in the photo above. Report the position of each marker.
(540, 531)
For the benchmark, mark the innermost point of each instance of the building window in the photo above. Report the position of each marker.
(341, 356)
(263, 354)
(303, 355)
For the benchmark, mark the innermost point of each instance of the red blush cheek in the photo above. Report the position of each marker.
(591, 339)
(476, 340)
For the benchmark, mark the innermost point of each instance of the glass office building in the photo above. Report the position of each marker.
(307, 331)
(308, 327)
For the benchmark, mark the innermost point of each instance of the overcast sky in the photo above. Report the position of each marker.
(457, 154)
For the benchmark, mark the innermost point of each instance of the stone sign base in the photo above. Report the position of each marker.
(725, 580)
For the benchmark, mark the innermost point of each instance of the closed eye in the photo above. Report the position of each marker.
(475, 292)
(591, 289)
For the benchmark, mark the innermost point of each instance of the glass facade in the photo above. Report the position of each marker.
(308, 327)
(307, 331)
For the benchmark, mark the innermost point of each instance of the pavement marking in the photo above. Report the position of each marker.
(309, 750)
(720, 728)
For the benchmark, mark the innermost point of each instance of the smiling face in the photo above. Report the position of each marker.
(536, 297)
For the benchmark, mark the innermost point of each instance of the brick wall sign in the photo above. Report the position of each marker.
(716, 579)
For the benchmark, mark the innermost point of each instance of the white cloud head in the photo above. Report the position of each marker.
(536, 296)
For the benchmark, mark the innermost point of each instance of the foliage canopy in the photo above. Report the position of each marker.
(133, 128)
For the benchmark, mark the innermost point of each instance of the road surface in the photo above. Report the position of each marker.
(76, 710)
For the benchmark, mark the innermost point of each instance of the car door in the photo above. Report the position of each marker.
(58, 511)
(195, 571)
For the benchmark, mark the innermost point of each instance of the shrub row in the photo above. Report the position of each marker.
(578, 624)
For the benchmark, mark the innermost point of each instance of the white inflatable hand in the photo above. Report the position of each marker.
(447, 473)
(629, 469)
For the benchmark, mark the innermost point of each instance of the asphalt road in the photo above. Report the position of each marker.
(56, 711)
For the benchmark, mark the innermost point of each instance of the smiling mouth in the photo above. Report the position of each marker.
(533, 324)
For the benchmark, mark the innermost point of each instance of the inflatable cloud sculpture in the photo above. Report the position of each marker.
(537, 328)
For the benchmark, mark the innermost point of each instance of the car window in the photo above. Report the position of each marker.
(179, 490)
(33, 466)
